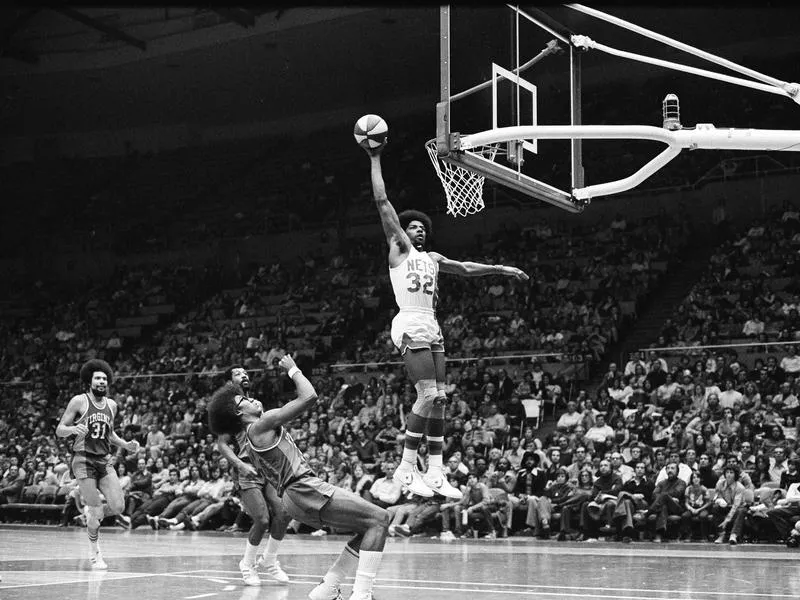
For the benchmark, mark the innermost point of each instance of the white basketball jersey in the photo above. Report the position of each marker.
(415, 281)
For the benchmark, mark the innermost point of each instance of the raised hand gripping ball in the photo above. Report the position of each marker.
(370, 132)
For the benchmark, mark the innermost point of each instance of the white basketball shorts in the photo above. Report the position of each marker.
(416, 330)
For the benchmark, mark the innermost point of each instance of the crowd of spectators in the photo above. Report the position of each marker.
(750, 291)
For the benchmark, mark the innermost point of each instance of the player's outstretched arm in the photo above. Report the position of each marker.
(66, 427)
(473, 269)
(306, 398)
(391, 223)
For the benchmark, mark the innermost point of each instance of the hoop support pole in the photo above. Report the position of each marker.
(443, 107)
(583, 41)
(676, 44)
(630, 182)
(551, 48)
(704, 136)
(563, 36)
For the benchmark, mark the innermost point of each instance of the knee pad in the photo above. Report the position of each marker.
(426, 395)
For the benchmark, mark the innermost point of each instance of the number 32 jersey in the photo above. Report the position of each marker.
(100, 421)
(415, 282)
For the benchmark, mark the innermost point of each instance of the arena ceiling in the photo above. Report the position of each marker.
(84, 69)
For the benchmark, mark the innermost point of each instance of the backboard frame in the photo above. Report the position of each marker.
(448, 142)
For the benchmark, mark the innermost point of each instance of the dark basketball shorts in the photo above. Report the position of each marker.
(305, 498)
(90, 466)
(250, 482)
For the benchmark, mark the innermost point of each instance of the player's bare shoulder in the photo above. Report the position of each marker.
(79, 402)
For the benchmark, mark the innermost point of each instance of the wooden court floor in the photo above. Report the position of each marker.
(48, 563)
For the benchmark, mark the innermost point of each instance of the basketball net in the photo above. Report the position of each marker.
(462, 187)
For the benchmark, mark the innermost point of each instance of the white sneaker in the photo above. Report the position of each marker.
(97, 562)
(325, 591)
(412, 479)
(123, 521)
(249, 574)
(436, 481)
(447, 536)
(274, 571)
(319, 533)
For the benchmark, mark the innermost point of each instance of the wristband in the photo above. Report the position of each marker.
(293, 371)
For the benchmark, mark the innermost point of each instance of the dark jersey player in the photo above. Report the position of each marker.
(307, 498)
(259, 498)
(90, 418)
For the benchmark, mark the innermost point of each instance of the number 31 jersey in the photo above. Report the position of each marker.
(100, 421)
(415, 282)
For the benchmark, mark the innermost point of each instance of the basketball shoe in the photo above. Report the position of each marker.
(325, 591)
(273, 571)
(410, 477)
(249, 574)
(435, 480)
(97, 562)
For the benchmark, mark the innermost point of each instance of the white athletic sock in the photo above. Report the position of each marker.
(368, 563)
(271, 550)
(434, 461)
(341, 567)
(409, 458)
(250, 554)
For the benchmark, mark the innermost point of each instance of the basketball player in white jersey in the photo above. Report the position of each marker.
(90, 418)
(414, 274)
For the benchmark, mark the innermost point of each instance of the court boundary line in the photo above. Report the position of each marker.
(530, 586)
(120, 577)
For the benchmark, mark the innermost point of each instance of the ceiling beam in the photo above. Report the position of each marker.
(100, 26)
(237, 15)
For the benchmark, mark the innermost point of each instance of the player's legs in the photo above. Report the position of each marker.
(279, 516)
(345, 564)
(112, 491)
(256, 506)
(421, 370)
(93, 509)
(346, 510)
(435, 478)
(280, 519)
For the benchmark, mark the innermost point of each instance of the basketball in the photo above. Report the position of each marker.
(370, 132)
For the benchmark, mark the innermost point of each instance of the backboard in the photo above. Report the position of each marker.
(518, 92)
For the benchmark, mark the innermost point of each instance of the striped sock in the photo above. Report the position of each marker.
(435, 435)
(93, 537)
(342, 566)
(415, 427)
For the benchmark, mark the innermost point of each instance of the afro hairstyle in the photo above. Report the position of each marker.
(223, 416)
(414, 215)
(90, 367)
